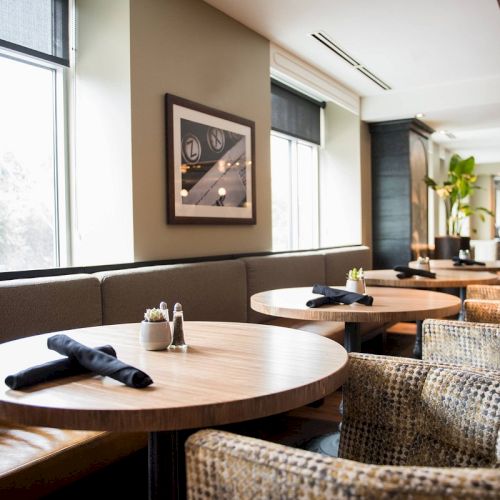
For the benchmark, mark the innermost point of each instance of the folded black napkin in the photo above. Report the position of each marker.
(321, 301)
(407, 272)
(457, 261)
(59, 368)
(99, 362)
(336, 296)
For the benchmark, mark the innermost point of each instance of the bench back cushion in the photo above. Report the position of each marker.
(208, 291)
(338, 261)
(41, 305)
(281, 271)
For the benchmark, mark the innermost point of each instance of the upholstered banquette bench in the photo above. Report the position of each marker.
(35, 461)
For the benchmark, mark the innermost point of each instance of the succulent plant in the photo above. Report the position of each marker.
(355, 274)
(154, 314)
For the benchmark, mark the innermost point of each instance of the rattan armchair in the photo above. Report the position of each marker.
(482, 311)
(462, 343)
(488, 292)
(411, 429)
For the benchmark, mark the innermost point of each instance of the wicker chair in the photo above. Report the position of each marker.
(482, 311)
(488, 292)
(411, 429)
(461, 343)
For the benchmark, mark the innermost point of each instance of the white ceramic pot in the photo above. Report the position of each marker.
(155, 335)
(356, 286)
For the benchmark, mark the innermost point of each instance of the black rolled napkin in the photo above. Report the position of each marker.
(457, 261)
(98, 362)
(321, 301)
(407, 272)
(342, 296)
(58, 368)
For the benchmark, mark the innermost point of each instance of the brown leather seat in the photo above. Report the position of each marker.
(35, 461)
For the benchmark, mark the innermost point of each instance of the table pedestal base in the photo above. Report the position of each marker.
(166, 465)
(417, 349)
(352, 337)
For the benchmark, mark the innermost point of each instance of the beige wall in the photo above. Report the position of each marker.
(189, 49)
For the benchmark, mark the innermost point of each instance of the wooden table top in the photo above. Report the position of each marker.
(443, 279)
(230, 373)
(437, 264)
(389, 304)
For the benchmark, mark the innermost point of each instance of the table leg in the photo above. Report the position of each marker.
(417, 349)
(461, 314)
(166, 465)
(352, 337)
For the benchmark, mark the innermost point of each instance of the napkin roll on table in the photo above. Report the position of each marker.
(59, 368)
(408, 272)
(99, 362)
(337, 296)
(457, 261)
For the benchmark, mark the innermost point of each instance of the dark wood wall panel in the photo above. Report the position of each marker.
(396, 171)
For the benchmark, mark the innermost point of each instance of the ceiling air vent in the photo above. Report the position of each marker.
(329, 44)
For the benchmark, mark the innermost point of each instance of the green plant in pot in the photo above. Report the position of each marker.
(455, 192)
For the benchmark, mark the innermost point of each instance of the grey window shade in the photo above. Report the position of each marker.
(36, 27)
(295, 114)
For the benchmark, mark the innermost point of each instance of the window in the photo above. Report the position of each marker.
(34, 38)
(294, 169)
(294, 193)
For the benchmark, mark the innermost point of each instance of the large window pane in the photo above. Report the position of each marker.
(294, 169)
(307, 196)
(27, 173)
(281, 193)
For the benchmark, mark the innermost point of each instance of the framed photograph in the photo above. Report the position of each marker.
(210, 165)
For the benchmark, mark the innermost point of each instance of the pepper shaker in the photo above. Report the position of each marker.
(178, 343)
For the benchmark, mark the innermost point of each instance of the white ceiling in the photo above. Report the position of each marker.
(440, 58)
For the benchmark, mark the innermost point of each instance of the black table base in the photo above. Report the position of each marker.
(352, 337)
(167, 465)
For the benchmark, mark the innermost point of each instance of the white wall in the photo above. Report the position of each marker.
(484, 197)
(102, 162)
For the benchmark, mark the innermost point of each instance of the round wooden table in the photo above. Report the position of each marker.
(389, 304)
(444, 279)
(231, 372)
(448, 264)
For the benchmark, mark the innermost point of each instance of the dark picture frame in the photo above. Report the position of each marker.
(210, 165)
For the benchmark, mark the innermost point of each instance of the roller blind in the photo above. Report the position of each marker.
(295, 114)
(36, 27)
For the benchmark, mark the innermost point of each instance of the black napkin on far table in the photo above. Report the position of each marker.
(99, 362)
(457, 261)
(407, 272)
(58, 368)
(337, 296)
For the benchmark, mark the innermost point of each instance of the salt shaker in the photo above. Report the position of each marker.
(178, 343)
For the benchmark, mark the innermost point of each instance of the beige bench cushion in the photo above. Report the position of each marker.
(208, 291)
(41, 305)
(35, 461)
(281, 271)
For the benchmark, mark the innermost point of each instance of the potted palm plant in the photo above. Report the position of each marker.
(455, 192)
